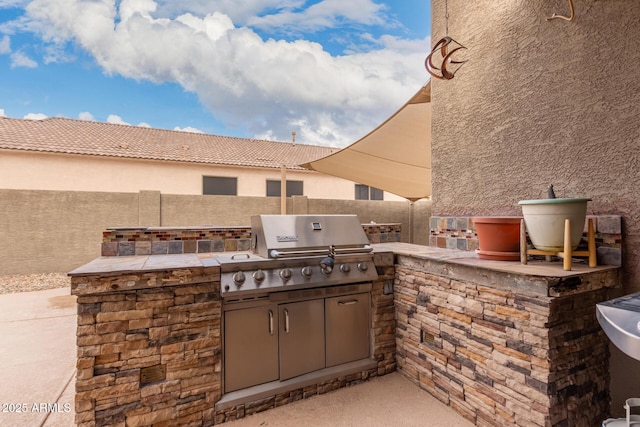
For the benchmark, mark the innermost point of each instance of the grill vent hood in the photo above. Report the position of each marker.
(278, 235)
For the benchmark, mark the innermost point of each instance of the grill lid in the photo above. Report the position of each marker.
(276, 236)
(620, 320)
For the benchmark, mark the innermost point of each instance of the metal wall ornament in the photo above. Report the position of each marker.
(444, 50)
(446, 47)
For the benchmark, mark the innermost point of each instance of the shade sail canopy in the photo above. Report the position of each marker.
(395, 156)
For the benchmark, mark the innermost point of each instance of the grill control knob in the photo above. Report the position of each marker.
(306, 271)
(326, 269)
(363, 266)
(258, 276)
(238, 278)
(285, 274)
(345, 268)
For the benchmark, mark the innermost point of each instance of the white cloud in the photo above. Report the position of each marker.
(2, 114)
(325, 14)
(12, 3)
(35, 116)
(85, 115)
(19, 59)
(238, 11)
(269, 86)
(144, 125)
(116, 120)
(5, 45)
(188, 129)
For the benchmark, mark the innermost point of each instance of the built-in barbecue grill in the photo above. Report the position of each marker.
(620, 320)
(297, 304)
(298, 251)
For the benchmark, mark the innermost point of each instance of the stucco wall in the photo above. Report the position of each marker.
(24, 170)
(542, 102)
(57, 231)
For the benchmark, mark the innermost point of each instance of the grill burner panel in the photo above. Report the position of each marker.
(257, 276)
(620, 320)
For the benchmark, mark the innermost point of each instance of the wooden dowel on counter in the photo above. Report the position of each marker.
(566, 264)
(523, 243)
(591, 241)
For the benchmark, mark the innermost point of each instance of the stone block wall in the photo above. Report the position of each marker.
(383, 233)
(151, 354)
(500, 352)
(383, 322)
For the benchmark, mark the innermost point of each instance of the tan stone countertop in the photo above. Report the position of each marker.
(468, 258)
(140, 263)
(144, 263)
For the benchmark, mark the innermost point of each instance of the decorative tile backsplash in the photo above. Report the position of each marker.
(174, 240)
(459, 233)
(129, 241)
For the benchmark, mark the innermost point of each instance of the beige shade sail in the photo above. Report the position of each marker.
(394, 157)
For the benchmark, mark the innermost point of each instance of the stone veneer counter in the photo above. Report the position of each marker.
(150, 343)
(142, 272)
(501, 342)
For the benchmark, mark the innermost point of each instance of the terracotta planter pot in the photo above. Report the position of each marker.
(498, 237)
(545, 219)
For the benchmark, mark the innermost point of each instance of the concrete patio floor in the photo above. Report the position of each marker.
(390, 400)
(37, 369)
(37, 358)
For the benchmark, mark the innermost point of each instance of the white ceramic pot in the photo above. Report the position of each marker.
(545, 218)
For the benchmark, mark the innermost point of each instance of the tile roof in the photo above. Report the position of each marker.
(62, 135)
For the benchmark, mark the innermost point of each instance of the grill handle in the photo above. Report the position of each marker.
(270, 322)
(274, 253)
(286, 320)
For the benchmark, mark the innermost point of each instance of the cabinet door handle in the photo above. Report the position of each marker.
(270, 322)
(355, 301)
(286, 320)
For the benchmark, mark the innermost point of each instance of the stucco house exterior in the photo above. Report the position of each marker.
(77, 155)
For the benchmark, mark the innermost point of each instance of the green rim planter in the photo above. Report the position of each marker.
(545, 218)
(498, 237)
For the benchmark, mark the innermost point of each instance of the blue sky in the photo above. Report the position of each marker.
(330, 70)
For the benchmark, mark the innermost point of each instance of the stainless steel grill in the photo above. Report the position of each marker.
(620, 320)
(296, 305)
(298, 251)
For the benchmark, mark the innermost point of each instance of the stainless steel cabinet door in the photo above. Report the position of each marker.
(250, 347)
(347, 328)
(301, 338)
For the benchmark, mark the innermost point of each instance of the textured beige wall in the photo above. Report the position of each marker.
(414, 218)
(25, 170)
(181, 210)
(541, 102)
(58, 231)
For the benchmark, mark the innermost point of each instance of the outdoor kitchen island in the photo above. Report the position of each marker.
(502, 343)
